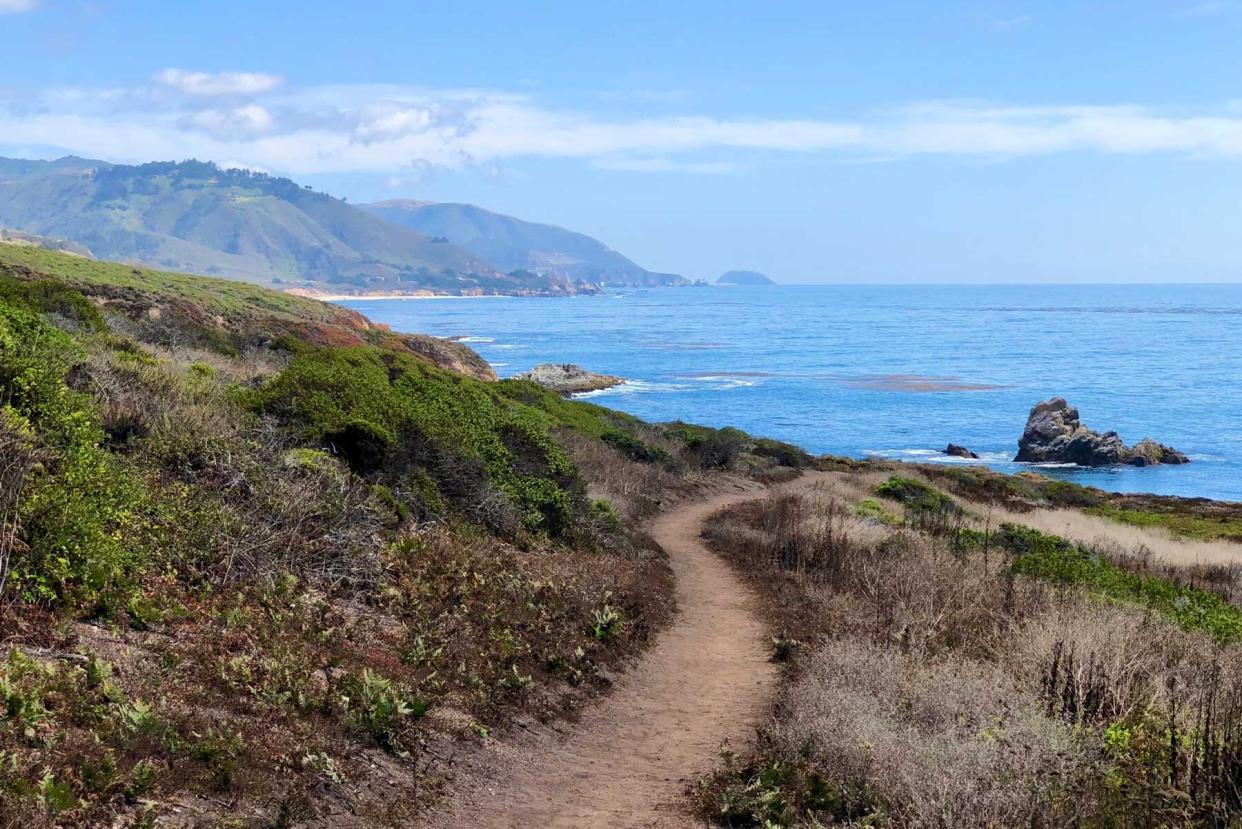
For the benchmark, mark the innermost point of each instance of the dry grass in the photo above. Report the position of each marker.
(928, 743)
(635, 489)
(937, 689)
(1101, 533)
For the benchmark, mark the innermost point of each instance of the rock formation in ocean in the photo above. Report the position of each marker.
(565, 378)
(1054, 434)
(960, 452)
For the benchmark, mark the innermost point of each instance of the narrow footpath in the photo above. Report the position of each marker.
(705, 681)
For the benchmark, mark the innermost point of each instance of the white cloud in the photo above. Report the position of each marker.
(15, 6)
(391, 122)
(238, 123)
(253, 119)
(220, 84)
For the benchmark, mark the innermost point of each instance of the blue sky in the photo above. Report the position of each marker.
(856, 142)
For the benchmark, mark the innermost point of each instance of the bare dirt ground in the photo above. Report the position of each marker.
(627, 761)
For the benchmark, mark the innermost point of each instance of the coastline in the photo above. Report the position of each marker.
(857, 371)
(386, 297)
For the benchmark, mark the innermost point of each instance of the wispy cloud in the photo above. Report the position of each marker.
(15, 6)
(257, 120)
(666, 165)
(219, 84)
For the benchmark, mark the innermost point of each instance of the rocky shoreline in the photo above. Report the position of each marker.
(568, 379)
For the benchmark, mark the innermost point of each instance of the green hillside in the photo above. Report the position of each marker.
(513, 244)
(194, 216)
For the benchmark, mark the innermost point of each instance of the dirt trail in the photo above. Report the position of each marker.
(627, 761)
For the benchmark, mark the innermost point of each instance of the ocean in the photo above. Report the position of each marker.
(895, 371)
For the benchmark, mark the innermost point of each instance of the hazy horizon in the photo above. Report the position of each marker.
(966, 143)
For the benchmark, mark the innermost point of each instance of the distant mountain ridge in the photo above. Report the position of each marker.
(514, 244)
(198, 217)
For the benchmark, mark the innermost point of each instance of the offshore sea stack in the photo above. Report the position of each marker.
(1054, 434)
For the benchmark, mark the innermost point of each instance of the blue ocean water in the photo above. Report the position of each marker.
(896, 371)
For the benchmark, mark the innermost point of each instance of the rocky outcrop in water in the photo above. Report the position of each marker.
(1054, 434)
(960, 452)
(566, 378)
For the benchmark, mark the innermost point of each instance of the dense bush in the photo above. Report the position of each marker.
(386, 412)
(712, 448)
(52, 297)
(81, 510)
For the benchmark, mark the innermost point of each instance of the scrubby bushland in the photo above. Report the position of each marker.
(255, 552)
(970, 673)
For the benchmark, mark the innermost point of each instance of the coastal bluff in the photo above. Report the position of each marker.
(1055, 434)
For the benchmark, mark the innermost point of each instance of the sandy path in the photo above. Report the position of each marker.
(706, 680)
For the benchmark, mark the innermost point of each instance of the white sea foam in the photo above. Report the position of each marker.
(724, 382)
(658, 387)
(936, 456)
(628, 387)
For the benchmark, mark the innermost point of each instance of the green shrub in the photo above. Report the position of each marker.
(379, 706)
(786, 454)
(915, 495)
(391, 414)
(874, 510)
(586, 418)
(51, 297)
(635, 449)
(713, 448)
(82, 514)
(607, 623)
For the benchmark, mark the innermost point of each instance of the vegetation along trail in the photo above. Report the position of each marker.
(705, 681)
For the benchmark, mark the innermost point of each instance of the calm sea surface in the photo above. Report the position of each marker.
(896, 371)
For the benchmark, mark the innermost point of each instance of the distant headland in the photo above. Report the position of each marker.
(744, 278)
